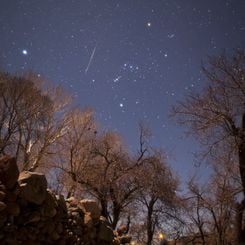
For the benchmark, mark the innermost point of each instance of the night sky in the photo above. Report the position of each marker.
(130, 60)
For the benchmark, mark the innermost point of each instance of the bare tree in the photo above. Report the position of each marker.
(209, 209)
(97, 164)
(73, 150)
(216, 115)
(100, 164)
(30, 118)
(156, 197)
(110, 176)
(220, 203)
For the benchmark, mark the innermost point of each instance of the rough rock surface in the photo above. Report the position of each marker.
(9, 172)
(31, 214)
(33, 187)
(92, 207)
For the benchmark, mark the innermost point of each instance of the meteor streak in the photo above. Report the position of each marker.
(91, 58)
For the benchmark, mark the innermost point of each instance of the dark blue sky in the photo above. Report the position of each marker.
(130, 60)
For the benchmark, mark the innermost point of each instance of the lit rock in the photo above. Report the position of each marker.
(90, 206)
(33, 187)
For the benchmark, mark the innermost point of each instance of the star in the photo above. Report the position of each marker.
(24, 52)
(117, 79)
(170, 36)
(132, 67)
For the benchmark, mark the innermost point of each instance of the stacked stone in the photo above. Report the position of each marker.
(9, 191)
(31, 214)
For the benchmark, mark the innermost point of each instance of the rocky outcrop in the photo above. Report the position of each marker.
(33, 187)
(32, 214)
(9, 172)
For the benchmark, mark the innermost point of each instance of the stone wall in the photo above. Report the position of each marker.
(31, 214)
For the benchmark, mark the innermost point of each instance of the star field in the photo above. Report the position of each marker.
(129, 60)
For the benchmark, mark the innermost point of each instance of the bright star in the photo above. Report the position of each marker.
(121, 104)
(117, 79)
(24, 52)
(149, 24)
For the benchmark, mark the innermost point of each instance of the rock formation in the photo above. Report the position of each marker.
(31, 214)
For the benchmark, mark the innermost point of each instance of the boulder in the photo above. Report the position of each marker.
(72, 201)
(13, 209)
(33, 187)
(49, 205)
(125, 239)
(2, 187)
(11, 196)
(90, 206)
(3, 219)
(105, 231)
(32, 214)
(61, 203)
(2, 206)
(88, 220)
(33, 217)
(55, 236)
(2, 195)
(9, 171)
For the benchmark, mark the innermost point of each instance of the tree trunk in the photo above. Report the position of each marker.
(116, 215)
(104, 208)
(240, 207)
(128, 224)
(150, 225)
(241, 154)
(239, 223)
